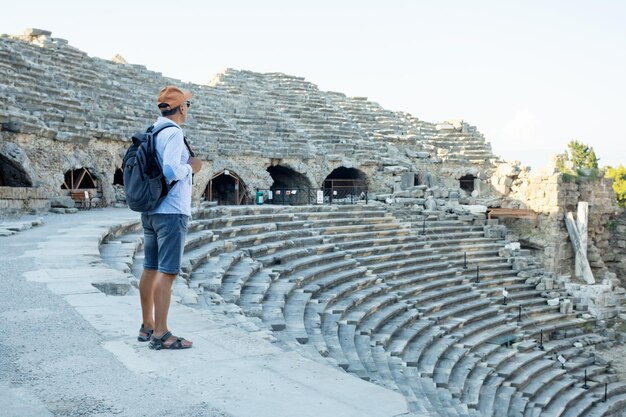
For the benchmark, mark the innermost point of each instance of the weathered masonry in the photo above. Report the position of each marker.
(64, 111)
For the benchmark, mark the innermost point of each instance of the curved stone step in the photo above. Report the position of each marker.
(210, 274)
(483, 397)
(351, 239)
(304, 262)
(295, 249)
(236, 277)
(253, 293)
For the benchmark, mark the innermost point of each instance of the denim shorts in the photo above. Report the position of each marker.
(164, 241)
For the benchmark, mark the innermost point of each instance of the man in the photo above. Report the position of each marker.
(165, 228)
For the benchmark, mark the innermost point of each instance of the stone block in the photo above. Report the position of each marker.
(116, 286)
(532, 280)
(553, 302)
(513, 246)
(407, 180)
(32, 32)
(62, 201)
(565, 307)
(430, 204)
(520, 264)
(395, 169)
(382, 197)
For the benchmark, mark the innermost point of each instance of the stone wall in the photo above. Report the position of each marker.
(552, 195)
(615, 255)
(15, 200)
(65, 110)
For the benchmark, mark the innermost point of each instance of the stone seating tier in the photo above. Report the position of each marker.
(273, 111)
(430, 332)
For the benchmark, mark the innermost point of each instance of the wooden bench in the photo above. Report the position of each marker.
(83, 197)
(510, 212)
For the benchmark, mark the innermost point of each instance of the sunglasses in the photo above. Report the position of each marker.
(188, 103)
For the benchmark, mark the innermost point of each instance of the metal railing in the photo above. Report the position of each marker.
(334, 192)
(345, 192)
(294, 196)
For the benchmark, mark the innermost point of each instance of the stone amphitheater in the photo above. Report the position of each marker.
(372, 252)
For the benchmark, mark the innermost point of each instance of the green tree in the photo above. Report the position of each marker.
(582, 159)
(619, 183)
(579, 153)
(582, 156)
(592, 160)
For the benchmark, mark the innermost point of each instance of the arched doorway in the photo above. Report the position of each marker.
(466, 183)
(347, 185)
(289, 186)
(226, 188)
(82, 186)
(118, 177)
(79, 179)
(12, 174)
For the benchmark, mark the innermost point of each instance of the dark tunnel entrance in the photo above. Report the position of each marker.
(289, 186)
(226, 188)
(345, 185)
(466, 183)
(12, 174)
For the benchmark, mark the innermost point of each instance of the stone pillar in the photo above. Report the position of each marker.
(581, 257)
(582, 222)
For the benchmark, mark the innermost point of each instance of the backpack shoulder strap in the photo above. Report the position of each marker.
(156, 131)
(165, 126)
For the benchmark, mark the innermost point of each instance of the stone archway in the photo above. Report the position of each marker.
(289, 186)
(79, 179)
(12, 174)
(347, 184)
(226, 188)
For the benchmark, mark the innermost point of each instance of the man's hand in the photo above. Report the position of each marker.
(195, 163)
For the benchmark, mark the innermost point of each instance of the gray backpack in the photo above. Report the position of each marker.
(144, 183)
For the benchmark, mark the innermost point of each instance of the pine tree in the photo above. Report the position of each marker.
(579, 154)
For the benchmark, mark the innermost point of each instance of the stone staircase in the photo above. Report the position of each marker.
(394, 300)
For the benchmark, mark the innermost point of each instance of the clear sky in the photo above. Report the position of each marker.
(531, 75)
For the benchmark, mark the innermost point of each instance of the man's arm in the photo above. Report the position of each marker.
(195, 164)
(173, 169)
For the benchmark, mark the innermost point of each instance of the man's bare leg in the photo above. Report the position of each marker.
(146, 295)
(162, 297)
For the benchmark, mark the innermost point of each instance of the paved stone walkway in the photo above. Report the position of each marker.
(69, 350)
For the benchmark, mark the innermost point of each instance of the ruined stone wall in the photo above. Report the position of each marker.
(62, 110)
(607, 246)
(547, 194)
(615, 258)
(16, 200)
(552, 195)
